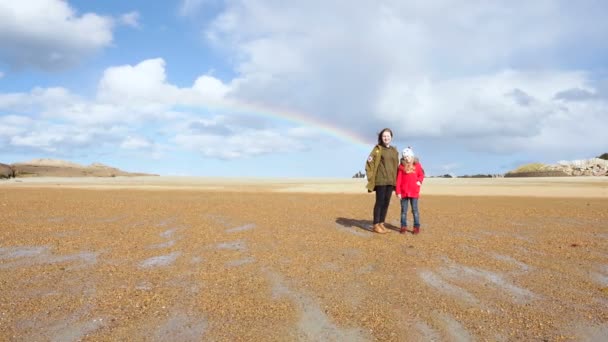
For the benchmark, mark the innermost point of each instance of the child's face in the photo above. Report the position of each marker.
(408, 159)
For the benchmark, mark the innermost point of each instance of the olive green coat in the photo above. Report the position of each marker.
(373, 163)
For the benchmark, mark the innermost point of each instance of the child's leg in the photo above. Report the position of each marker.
(415, 212)
(404, 212)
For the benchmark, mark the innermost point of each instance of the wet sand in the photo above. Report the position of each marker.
(276, 260)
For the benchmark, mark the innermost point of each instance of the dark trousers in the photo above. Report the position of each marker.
(383, 199)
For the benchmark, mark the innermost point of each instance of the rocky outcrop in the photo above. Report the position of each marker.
(583, 167)
(6, 171)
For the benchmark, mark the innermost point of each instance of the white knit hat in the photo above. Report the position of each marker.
(408, 152)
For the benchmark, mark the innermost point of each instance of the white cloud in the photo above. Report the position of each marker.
(466, 77)
(49, 34)
(142, 83)
(37, 98)
(130, 19)
(55, 120)
(21, 133)
(211, 88)
(481, 106)
(503, 112)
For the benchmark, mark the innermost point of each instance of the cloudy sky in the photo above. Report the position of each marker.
(300, 88)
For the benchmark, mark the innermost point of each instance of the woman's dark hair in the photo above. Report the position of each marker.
(382, 132)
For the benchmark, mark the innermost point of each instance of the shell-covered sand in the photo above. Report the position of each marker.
(285, 261)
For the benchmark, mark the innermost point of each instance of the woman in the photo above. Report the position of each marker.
(381, 172)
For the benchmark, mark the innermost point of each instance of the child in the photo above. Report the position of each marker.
(409, 179)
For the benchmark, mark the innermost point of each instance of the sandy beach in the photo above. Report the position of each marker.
(587, 187)
(190, 259)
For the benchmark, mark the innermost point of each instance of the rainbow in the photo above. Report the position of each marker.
(293, 117)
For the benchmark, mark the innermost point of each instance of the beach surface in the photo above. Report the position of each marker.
(190, 259)
(587, 187)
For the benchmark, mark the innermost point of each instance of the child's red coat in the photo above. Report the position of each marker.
(407, 182)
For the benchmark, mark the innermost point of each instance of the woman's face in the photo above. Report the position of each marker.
(386, 138)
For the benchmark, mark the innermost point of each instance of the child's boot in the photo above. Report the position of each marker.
(403, 229)
(416, 230)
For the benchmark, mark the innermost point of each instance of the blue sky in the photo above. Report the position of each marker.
(300, 89)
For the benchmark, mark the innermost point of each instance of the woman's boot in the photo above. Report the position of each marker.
(378, 229)
(383, 227)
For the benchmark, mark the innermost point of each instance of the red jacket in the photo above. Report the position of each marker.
(406, 182)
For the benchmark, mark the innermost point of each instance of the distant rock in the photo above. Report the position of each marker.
(583, 167)
(62, 168)
(6, 171)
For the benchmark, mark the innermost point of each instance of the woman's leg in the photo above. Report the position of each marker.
(378, 207)
(379, 203)
(388, 192)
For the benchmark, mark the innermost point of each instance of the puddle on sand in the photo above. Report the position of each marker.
(239, 245)
(161, 260)
(76, 331)
(22, 252)
(241, 228)
(518, 294)
(240, 262)
(196, 260)
(181, 326)
(67, 328)
(314, 324)
(366, 269)
(144, 286)
(29, 256)
(602, 276)
(522, 266)
(435, 281)
(454, 329)
(591, 333)
(427, 333)
(167, 233)
(167, 244)
(86, 257)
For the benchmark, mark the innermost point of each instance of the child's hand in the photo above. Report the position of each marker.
(398, 196)
(418, 182)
